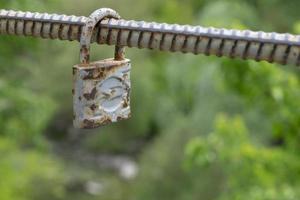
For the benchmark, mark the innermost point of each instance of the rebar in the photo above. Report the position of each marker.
(245, 44)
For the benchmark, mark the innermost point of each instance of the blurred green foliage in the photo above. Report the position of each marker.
(202, 127)
(25, 172)
(28, 174)
(250, 170)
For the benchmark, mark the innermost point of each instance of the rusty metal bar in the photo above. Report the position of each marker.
(271, 47)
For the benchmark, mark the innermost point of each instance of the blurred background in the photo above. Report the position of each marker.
(202, 127)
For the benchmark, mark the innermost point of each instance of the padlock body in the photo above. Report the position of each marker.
(101, 93)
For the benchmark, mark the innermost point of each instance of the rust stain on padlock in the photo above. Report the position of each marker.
(90, 96)
(101, 93)
(101, 69)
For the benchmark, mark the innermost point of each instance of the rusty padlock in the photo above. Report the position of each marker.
(101, 93)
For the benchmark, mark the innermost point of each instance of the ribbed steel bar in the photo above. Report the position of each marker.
(271, 47)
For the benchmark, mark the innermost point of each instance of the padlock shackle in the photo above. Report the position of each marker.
(87, 33)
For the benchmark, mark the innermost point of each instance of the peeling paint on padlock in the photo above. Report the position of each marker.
(101, 93)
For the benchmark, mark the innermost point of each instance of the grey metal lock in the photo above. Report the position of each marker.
(101, 93)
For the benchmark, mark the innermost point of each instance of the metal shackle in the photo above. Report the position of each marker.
(87, 33)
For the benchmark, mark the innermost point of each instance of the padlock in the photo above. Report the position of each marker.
(101, 92)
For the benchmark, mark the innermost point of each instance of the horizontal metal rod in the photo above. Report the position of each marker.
(271, 47)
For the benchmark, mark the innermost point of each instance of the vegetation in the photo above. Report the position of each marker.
(202, 127)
